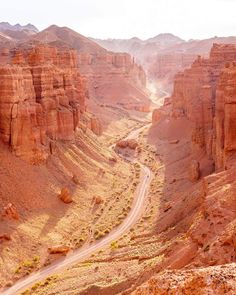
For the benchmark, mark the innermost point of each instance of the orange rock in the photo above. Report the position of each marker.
(156, 115)
(75, 179)
(96, 126)
(113, 159)
(122, 144)
(128, 143)
(40, 100)
(132, 144)
(98, 200)
(10, 212)
(174, 141)
(194, 173)
(65, 195)
(218, 280)
(205, 95)
(59, 250)
(5, 237)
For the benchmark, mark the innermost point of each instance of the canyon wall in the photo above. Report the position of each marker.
(200, 127)
(163, 67)
(41, 98)
(205, 94)
(115, 78)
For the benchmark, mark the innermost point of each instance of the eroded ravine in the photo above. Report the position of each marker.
(84, 252)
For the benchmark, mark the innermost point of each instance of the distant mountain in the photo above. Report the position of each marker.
(7, 26)
(136, 44)
(165, 39)
(65, 36)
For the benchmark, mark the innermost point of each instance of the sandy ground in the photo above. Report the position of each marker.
(158, 240)
(44, 220)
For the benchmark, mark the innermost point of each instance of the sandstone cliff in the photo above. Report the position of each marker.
(164, 55)
(205, 95)
(200, 202)
(113, 78)
(41, 98)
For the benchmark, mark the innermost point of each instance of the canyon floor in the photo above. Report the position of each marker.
(117, 256)
(102, 188)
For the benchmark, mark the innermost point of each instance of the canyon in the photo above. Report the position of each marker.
(164, 55)
(103, 190)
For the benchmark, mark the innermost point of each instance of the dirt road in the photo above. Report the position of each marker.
(84, 252)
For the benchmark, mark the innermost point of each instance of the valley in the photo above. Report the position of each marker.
(117, 164)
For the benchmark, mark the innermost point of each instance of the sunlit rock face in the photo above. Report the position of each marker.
(212, 280)
(113, 78)
(41, 98)
(205, 95)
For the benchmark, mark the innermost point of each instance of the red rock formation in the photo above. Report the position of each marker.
(164, 67)
(96, 126)
(113, 78)
(225, 118)
(194, 173)
(65, 196)
(59, 250)
(41, 98)
(218, 280)
(4, 237)
(128, 143)
(204, 102)
(205, 95)
(97, 200)
(10, 212)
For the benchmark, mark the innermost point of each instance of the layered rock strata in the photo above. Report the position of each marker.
(115, 78)
(205, 94)
(41, 98)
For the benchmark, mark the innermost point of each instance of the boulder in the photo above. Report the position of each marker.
(98, 200)
(128, 143)
(10, 212)
(59, 250)
(65, 196)
(4, 237)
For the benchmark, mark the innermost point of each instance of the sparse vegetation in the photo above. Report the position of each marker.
(27, 266)
(114, 245)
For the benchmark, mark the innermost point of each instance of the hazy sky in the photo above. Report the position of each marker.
(127, 18)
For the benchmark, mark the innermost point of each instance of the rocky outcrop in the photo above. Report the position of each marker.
(59, 250)
(225, 117)
(113, 78)
(65, 196)
(218, 280)
(96, 126)
(4, 237)
(128, 143)
(205, 95)
(194, 171)
(41, 98)
(156, 115)
(10, 212)
(165, 66)
(202, 106)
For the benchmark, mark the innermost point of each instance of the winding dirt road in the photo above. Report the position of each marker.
(84, 252)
